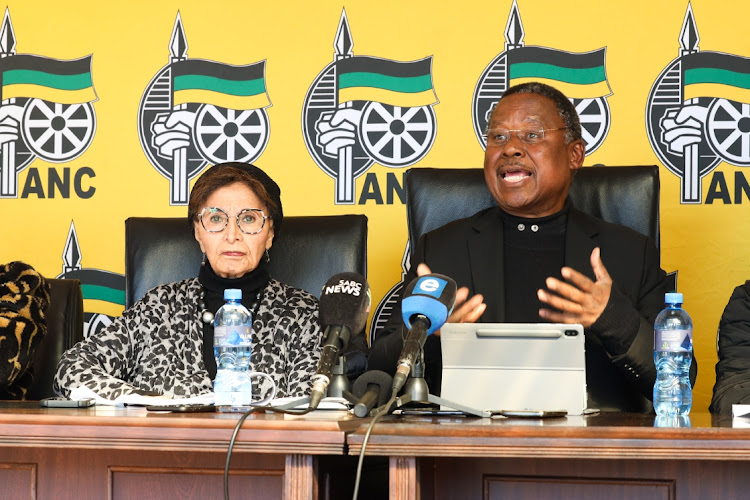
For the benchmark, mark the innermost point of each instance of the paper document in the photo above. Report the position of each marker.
(139, 400)
(325, 404)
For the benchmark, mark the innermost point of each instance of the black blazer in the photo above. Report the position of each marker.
(471, 252)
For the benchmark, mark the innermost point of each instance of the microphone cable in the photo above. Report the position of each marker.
(237, 427)
(382, 411)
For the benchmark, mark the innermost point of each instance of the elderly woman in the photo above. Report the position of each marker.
(164, 343)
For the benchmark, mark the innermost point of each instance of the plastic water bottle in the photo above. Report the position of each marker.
(232, 348)
(673, 353)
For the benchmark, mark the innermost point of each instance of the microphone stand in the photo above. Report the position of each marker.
(336, 387)
(416, 393)
(339, 380)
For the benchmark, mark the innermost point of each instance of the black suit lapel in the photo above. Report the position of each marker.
(579, 243)
(485, 247)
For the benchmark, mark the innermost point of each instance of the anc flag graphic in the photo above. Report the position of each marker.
(224, 85)
(103, 291)
(405, 84)
(577, 75)
(713, 74)
(31, 76)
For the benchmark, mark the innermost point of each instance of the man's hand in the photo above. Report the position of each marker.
(580, 300)
(466, 310)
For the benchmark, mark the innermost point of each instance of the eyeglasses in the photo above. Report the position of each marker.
(250, 220)
(500, 136)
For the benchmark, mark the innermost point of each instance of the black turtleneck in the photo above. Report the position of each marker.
(251, 284)
(534, 250)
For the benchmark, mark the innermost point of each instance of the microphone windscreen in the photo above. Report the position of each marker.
(345, 301)
(374, 377)
(432, 296)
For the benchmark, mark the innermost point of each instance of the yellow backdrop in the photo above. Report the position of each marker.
(64, 203)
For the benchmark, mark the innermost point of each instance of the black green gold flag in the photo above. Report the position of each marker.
(224, 85)
(103, 291)
(713, 74)
(405, 84)
(577, 75)
(32, 76)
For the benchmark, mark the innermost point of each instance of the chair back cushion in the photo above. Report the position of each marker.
(64, 317)
(309, 250)
(628, 196)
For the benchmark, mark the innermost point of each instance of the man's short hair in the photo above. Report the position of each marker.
(565, 108)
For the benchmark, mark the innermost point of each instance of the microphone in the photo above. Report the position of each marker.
(372, 388)
(344, 305)
(427, 303)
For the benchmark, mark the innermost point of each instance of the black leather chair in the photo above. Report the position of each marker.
(64, 317)
(308, 251)
(628, 196)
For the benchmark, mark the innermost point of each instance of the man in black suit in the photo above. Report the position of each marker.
(536, 258)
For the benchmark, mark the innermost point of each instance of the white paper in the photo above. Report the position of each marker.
(325, 404)
(740, 410)
(139, 400)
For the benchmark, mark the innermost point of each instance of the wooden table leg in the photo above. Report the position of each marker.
(299, 483)
(403, 478)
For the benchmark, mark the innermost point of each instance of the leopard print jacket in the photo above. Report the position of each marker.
(24, 296)
(156, 345)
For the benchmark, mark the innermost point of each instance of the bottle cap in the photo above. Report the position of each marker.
(673, 298)
(232, 294)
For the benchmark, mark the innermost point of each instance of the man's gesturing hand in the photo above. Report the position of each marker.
(578, 299)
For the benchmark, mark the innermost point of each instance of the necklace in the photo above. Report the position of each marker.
(208, 317)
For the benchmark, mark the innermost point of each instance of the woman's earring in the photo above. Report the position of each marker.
(267, 256)
(203, 262)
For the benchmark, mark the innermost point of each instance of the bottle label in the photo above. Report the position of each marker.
(673, 340)
(232, 335)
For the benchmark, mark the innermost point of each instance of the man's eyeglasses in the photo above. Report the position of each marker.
(250, 220)
(500, 136)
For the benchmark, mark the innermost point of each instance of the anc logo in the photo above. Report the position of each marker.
(46, 109)
(390, 299)
(698, 114)
(103, 291)
(195, 112)
(360, 110)
(580, 76)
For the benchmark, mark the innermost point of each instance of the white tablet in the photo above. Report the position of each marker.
(513, 367)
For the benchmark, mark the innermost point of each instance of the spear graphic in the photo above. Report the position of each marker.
(8, 188)
(345, 176)
(691, 186)
(72, 252)
(179, 181)
(514, 32)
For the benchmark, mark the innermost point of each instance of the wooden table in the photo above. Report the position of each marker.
(607, 456)
(129, 453)
(124, 453)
